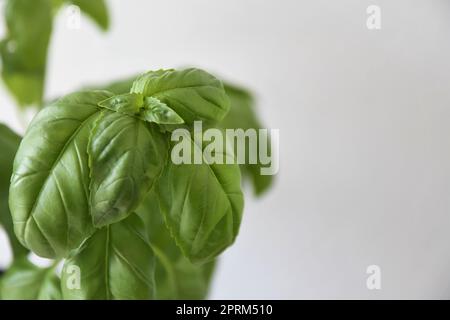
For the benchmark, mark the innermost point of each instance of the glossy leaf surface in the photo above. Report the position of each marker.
(126, 156)
(202, 204)
(50, 184)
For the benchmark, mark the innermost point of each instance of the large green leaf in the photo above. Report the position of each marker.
(202, 203)
(9, 143)
(24, 49)
(242, 115)
(117, 262)
(193, 93)
(25, 281)
(126, 155)
(49, 187)
(95, 9)
(175, 276)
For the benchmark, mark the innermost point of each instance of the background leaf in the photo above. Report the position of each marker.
(243, 115)
(25, 281)
(9, 143)
(96, 10)
(24, 49)
(117, 262)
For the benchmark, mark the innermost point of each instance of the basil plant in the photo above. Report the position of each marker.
(93, 188)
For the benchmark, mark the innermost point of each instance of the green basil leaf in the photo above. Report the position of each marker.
(115, 263)
(192, 93)
(25, 281)
(242, 115)
(149, 109)
(158, 112)
(202, 204)
(24, 49)
(126, 155)
(128, 103)
(49, 186)
(9, 143)
(175, 276)
(96, 10)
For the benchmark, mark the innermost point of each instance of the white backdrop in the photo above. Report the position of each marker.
(364, 131)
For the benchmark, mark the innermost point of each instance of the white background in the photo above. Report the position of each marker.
(364, 131)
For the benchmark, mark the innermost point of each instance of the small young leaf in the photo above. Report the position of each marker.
(149, 109)
(115, 263)
(129, 103)
(192, 93)
(50, 183)
(125, 156)
(158, 112)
